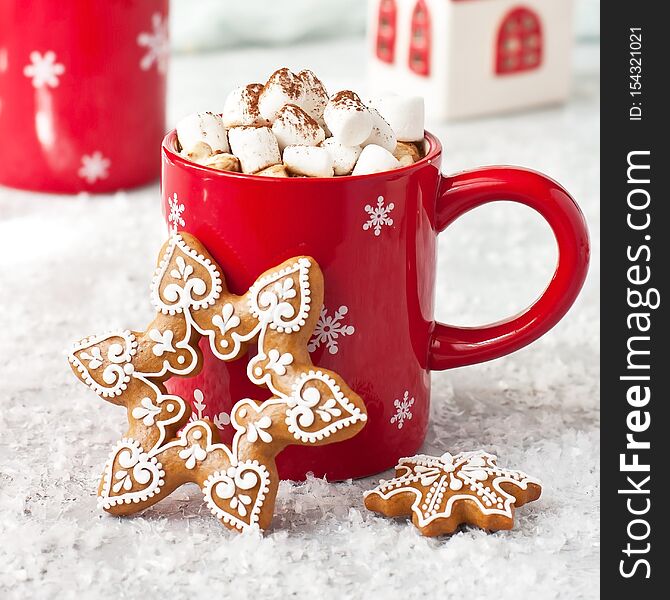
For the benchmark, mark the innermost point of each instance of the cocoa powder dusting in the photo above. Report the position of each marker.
(251, 95)
(296, 116)
(310, 80)
(289, 83)
(348, 99)
(254, 89)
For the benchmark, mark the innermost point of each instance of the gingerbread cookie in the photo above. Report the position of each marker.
(442, 493)
(165, 446)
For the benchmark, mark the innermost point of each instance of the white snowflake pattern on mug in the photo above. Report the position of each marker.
(378, 216)
(177, 209)
(43, 69)
(93, 167)
(220, 420)
(157, 44)
(329, 329)
(403, 410)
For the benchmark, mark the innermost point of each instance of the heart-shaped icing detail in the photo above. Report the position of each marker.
(104, 362)
(130, 475)
(282, 299)
(176, 288)
(317, 408)
(236, 495)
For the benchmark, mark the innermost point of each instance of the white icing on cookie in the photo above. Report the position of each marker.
(236, 495)
(175, 288)
(439, 483)
(106, 373)
(130, 475)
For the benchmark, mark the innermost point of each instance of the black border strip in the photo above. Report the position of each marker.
(635, 549)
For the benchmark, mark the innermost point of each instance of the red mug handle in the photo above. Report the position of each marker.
(459, 346)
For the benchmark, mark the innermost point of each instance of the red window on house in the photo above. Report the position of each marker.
(386, 31)
(519, 45)
(419, 45)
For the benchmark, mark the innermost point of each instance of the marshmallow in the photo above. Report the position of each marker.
(256, 147)
(382, 134)
(222, 162)
(241, 107)
(315, 95)
(375, 159)
(294, 127)
(405, 114)
(282, 88)
(344, 157)
(199, 151)
(202, 127)
(348, 118)
(274, 171)
(406, 153)
(308, 160)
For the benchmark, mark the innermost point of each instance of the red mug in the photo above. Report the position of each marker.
(82, 93)
(375, 238)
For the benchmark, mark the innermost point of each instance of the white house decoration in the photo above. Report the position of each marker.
(471, 57)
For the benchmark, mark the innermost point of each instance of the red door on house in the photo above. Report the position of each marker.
(519, 46)
(419, 45)
(386, 31)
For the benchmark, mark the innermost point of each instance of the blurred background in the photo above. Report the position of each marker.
(210, 24)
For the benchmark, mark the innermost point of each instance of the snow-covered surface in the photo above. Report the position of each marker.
(75, 266)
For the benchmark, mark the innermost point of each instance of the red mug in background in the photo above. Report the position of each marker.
(82, 93)
(375, 238)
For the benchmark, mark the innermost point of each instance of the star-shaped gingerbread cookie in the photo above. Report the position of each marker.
(165, 445)
(441, 493)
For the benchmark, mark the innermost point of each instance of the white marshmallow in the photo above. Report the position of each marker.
(274, 171)
(199, 151)
(241, 107)
(294, 127)
(375, 159)
(405, 114)
(382, 133)
(256, 147)
(348, 118)
(203, 127)
(315, 95)
(222, 162)
(407, 153)
(308, 160)
(283, 87)
(344, 157)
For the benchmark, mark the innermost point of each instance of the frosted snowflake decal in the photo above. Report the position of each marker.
(93, 167)
(220, 420)
(157, 44)
(44, 70)
(403, 410)
(440, 493)
(176, 211)
(328, 329)
(379, 216)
